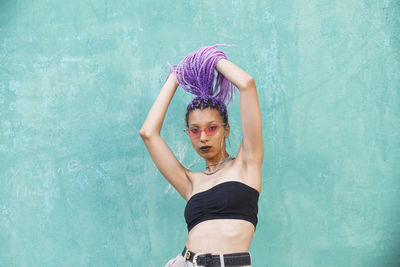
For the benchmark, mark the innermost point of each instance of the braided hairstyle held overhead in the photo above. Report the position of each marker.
(196, 75)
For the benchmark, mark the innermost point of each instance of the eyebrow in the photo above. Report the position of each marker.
(195, 124)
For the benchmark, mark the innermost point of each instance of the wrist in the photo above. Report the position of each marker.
(172, 79)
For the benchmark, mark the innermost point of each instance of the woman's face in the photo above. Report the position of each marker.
(208, 146)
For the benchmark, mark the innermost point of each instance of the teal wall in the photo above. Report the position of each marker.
(77, 78)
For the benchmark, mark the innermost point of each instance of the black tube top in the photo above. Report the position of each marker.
(227, 200)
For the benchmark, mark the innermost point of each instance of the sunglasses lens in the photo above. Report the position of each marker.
(211, 130)
(194, 132)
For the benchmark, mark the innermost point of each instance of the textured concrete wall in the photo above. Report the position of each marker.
(77, 78)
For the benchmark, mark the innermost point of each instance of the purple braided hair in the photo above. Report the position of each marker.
(196, 75)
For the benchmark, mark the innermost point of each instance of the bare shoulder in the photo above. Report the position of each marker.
(195, 183)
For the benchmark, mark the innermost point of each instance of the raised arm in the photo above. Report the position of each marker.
(161, 154)
(252, 145)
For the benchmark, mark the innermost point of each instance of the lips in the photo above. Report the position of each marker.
(205, 148)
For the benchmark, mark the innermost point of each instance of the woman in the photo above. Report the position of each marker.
(222, 201)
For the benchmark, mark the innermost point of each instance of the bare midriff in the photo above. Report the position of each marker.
(221, 236)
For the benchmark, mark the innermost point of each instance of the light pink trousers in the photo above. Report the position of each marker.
(179, 261)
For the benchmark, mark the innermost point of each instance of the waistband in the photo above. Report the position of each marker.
(217, 260)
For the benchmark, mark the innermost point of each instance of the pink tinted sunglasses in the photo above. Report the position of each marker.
(195, 132)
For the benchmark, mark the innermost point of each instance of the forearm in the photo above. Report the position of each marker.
(240, 78)
(154, 120)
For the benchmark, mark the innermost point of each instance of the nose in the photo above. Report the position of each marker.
(203, 136)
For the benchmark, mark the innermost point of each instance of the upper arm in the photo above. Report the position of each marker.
(168, 164)
(250, 116)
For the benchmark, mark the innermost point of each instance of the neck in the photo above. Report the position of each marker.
(212, 163)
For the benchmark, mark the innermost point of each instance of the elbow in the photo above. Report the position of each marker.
(248, 83)
(145, 134)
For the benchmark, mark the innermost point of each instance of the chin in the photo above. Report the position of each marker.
(204, 155)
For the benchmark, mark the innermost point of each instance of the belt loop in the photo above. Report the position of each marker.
(221, 260)
(250, 257)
